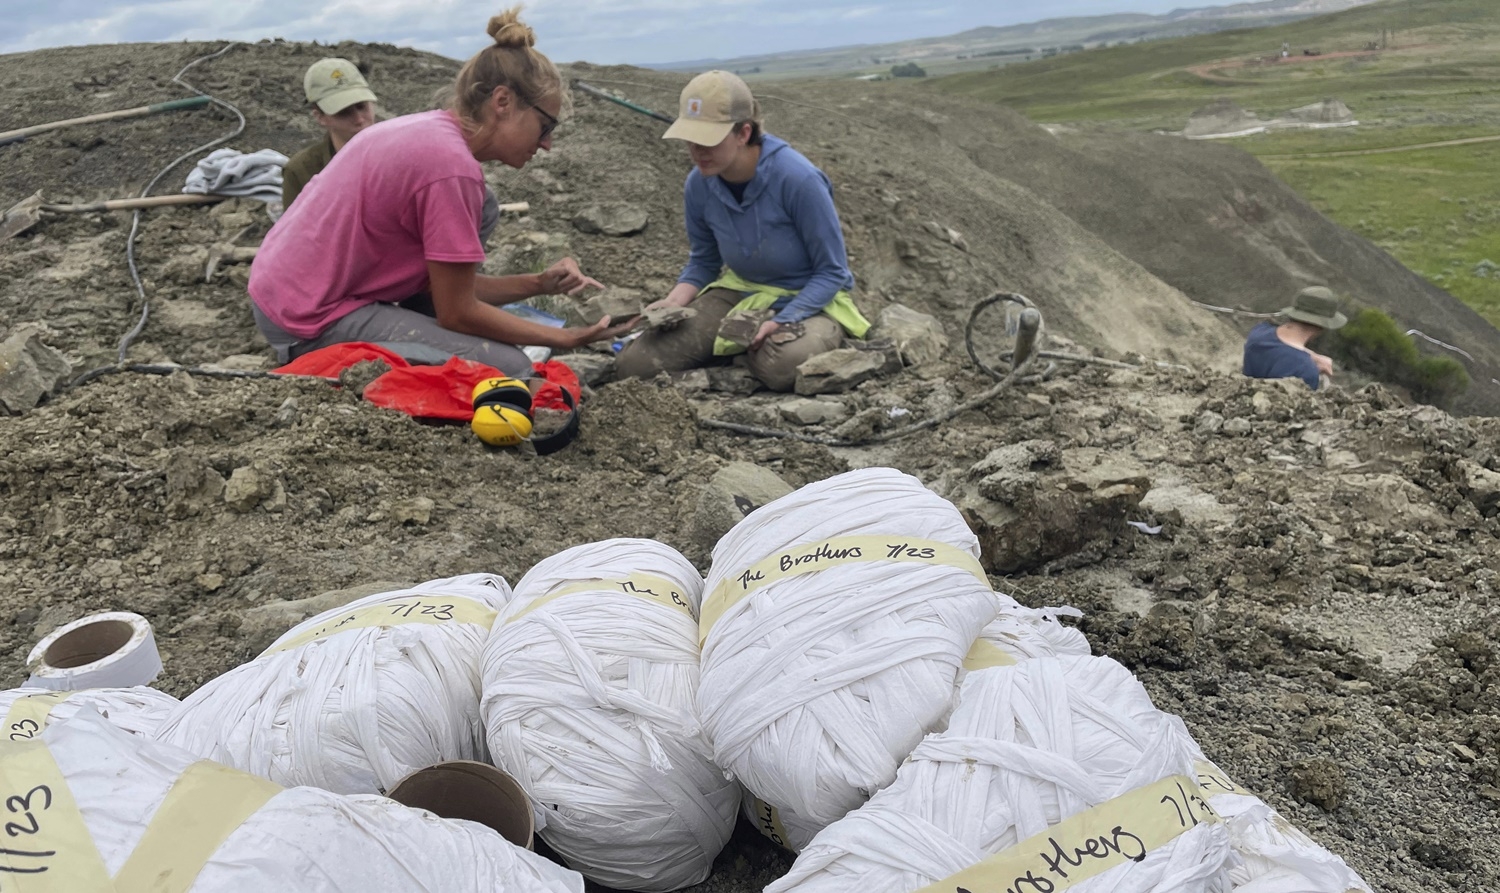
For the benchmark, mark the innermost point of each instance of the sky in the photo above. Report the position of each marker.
(600, 31)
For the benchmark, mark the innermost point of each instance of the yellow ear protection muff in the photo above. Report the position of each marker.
(502, 416)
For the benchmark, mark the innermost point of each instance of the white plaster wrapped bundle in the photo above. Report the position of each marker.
(1275, 856)
(1030, 754)
(231, 832)
(1023, 633)
(355, 698)
(589, 678)
(138, 710)
(835, 620)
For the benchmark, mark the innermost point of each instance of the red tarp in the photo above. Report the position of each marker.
(429, 392)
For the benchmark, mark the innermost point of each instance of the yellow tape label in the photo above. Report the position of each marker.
(206, 804)
(47, 847)
(657, 590)
(768, 822)
(824, 554)
(28, 715)
(1214, 781)
(985, 655)
(1090, 843)
(400, 610)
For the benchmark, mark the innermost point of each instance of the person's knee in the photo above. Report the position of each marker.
(637, 360)
(777, 374)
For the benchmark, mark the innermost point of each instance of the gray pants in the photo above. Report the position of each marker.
(409, 334)
(691, 344)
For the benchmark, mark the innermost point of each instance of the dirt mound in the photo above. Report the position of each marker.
(1209, 219)
(1222, 118)
(1318, 604)
(1329, 111)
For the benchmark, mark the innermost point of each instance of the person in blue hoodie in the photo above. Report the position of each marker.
(1281, 351)
(767, 271)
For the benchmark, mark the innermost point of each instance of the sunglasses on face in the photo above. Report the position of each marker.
(549, 124)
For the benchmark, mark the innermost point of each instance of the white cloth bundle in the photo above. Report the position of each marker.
(1029, 746)
(297, 840)
(138, 710)
(1024, 633)
(1021, 633)
(232, 172)
(589, 684)
(355, 698)
(835, 619)
(1276, 856)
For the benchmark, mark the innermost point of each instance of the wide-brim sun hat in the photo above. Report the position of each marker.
(1316, 306)
(710, 105)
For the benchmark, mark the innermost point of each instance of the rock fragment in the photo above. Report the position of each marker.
(592, 369)
(918, 337)
(611, 220)
(803, 411)
(1319, 781)
(837, 371)
(29, 369)
(738, 489)
(1028, 507)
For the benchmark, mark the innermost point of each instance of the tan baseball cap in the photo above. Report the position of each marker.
(712, 103)
(335, 84)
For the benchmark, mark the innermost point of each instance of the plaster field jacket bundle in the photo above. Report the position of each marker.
(1275, 856)
(834, 626)
(590, 677)
(138, 710)
(356, 698)
(1054, 774)
(96, 810)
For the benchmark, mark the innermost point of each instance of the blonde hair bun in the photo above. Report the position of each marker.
(509, 31)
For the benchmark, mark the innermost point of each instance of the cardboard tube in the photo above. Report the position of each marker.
(478, 792)
(112, 650)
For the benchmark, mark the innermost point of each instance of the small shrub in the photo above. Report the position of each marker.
(1373, 343)
(908, 70)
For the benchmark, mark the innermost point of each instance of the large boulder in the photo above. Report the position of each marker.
(1028, 506)
(918, 337)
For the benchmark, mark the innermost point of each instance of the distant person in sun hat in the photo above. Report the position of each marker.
(763, 238)
(343, 105)
(1275, 350)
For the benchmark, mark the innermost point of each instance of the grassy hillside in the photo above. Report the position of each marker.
(990, 47)
(1437, 79)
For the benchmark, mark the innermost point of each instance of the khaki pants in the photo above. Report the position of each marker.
(691, 344)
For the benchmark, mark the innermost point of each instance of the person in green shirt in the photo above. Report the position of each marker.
(343, 104)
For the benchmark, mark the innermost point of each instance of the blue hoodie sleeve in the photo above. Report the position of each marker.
(704, 263)
(810, 201)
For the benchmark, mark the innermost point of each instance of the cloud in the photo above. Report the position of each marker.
(604, 31)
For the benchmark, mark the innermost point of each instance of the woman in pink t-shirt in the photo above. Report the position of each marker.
(382, 245)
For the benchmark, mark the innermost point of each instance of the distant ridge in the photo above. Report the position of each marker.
(988, 44)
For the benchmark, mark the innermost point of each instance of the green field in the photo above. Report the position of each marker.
(1436, 79)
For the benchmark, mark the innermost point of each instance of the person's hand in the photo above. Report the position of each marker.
(564, 278)
(603, 330)
(766, 330)
(1324, 364)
